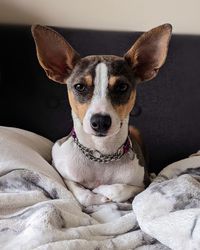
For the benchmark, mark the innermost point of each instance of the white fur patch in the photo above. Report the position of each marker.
(101, 103)
(101, 81)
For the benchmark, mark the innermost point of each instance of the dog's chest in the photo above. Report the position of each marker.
(74, 166)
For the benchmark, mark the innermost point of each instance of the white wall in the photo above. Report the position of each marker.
(184, 15)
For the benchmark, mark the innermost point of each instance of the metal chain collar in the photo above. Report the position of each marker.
(95, 155)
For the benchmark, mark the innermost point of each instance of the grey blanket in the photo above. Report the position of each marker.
(38, 212)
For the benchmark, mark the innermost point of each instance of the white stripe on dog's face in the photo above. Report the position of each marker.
(100, 103)
(100, 89)
(101, 80)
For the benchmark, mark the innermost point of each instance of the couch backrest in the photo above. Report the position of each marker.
(168, 107)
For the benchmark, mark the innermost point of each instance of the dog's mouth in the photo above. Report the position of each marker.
(107, 134)
(100, 135)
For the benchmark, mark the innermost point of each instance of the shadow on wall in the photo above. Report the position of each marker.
(13, 14)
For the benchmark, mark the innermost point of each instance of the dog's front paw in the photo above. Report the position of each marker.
(123, 207)
(118, 192)
(91, 198)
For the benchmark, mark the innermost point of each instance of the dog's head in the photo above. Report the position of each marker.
(102, 89)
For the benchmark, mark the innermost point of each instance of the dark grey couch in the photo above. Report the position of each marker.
(168, 107)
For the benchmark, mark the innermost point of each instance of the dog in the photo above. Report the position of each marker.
(101, 160)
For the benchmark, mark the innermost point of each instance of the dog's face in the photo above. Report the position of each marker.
(102, 89)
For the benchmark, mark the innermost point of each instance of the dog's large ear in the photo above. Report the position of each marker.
(149, 52)
(55, 55)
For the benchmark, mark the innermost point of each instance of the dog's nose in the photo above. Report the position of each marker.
(100, 123)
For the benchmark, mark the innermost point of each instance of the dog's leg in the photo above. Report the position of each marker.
(118, 192)
(84, 196)
(125, 206)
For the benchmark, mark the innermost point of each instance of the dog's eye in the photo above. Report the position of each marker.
(122, 87)
(80, 87)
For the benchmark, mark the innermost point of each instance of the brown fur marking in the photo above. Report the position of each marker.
(112, 80)
(135, 134)
(79, 108)
(124, 109)
(88, 80)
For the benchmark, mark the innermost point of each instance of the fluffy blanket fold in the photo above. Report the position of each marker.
(38, 212)
(169, 209)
